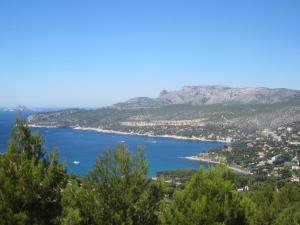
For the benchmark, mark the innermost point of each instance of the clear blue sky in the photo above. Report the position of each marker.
(93, 53)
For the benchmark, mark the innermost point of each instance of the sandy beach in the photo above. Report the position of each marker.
(42, 126)
(147, 135)
(100, 130)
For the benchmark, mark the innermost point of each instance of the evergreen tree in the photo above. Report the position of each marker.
(276, 206)
(117, 191)
(30, 183)
(208, 199)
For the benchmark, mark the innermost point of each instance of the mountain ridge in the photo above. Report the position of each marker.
(213, 94)
(184, 113)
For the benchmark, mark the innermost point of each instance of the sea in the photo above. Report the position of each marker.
(85, 146)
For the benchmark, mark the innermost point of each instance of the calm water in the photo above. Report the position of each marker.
(84, 146)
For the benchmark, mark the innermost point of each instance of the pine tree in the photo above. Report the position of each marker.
(208, 199)
(30, 182)
(117, 191)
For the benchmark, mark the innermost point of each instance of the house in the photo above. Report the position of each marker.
(295, 179)
(246, 188)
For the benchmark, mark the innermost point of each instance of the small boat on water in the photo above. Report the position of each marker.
(76, 162)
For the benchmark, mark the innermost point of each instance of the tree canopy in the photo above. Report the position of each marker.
(30, 182)
(36, 189)
(116, 191)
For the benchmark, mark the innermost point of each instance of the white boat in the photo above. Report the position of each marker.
(76, 162)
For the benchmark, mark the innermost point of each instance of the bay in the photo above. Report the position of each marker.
(85, 146)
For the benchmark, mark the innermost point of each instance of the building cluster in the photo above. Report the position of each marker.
(267, 152)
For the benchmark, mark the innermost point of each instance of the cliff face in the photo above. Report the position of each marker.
(209, 95)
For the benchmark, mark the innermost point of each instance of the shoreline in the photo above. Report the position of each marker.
(209, 161)
(192, 158)
(100, 130)
(41, 126)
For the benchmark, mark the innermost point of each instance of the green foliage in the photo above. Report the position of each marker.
(24, 142)
(30, 184)
(290, 216)
(117, 191)
(209, 198)
(276, 206)
(74, 200)
(182, 174)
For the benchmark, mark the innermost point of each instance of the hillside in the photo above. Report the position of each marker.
(210, 121)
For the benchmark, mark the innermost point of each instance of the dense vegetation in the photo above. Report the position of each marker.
(36, 189)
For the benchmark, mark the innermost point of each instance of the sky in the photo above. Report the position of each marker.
(87, 53)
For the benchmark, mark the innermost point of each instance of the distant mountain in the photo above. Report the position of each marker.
(209, 95)
(211, 112)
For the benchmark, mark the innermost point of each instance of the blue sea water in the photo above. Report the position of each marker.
(85, 146)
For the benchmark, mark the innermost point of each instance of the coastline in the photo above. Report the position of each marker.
(100, 130)
(193, 158)
(41, 126)
(200, 159)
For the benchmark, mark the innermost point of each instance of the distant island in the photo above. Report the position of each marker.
(20, 108)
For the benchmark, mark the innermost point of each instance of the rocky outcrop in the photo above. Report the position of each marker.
(209, 95)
